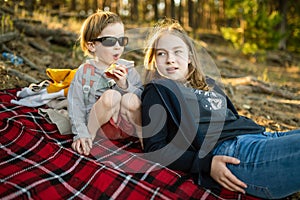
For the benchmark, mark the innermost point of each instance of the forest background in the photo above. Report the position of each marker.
(255, 44)
(252, 25)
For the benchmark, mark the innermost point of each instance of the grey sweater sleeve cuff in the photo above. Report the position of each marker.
(80, 131)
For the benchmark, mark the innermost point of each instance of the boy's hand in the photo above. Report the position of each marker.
(82, 146)
(119, 74)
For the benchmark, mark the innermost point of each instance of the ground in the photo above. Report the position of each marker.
(270, 110)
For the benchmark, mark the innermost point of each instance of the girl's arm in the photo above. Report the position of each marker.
(223, 175)
(159, 131)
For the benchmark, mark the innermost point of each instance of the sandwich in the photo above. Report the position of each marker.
(109, 72)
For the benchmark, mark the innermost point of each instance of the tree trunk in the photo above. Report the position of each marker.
(144, 10)
(95, 5)
(72, 5)
(180, 10)
(168, 8)
(86, 5)
(283, 7)
(155, 3)
(134, 10)
(29, 6)
(191, 13)
(173, 9)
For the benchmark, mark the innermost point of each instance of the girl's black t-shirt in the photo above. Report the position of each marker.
(194, 118)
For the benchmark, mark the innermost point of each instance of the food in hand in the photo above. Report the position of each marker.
(109, 72)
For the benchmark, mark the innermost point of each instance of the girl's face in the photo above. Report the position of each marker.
(106, 55)
(172, 57)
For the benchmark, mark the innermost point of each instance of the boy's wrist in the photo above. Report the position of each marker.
(124, 86)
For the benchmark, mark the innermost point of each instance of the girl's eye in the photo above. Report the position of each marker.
(161, 53)
(178, 52)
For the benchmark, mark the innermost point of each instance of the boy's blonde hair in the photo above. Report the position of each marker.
(196, 77)
(94, 25)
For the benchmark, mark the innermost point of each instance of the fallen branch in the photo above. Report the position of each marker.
(58, 36)
(37, 46)
(21, 75)
(26, 60)
(260, 86)
(285, 101)
(6, 37)
(5, 9)
(31, 64)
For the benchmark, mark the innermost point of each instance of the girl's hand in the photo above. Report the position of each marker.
(82, 146)
(120, 73)
(223, 175)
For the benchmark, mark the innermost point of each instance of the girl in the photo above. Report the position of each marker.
(199, 130)
(98, 103)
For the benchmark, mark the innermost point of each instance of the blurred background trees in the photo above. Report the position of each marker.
(251, 25)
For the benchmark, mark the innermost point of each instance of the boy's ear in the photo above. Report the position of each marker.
(91, 46)
(189, 60)
(190, 55)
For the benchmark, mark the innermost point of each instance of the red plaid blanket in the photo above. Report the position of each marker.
(36, 162)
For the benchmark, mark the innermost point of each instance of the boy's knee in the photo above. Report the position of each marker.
(110, 98)
(131, 102)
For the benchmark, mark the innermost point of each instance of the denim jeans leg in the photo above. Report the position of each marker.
(270, 163)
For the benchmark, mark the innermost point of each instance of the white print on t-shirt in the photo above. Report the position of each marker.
(211, 100)
(216, 104)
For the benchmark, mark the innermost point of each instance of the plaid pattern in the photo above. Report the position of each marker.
(36, 162)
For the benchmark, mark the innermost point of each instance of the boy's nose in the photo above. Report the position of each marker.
(117, 45)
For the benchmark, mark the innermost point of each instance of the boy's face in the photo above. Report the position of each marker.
(106, 55)
(172, 57)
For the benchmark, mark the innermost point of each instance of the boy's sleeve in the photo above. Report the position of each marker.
(77, 108)
(134, 82)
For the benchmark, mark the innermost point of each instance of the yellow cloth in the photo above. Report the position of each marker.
(61, 79)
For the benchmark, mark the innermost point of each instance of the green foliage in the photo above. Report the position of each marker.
(256, 27)
(294, 40)
(6, 24)
(294, 27)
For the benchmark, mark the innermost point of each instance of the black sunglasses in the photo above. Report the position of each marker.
(111, 41)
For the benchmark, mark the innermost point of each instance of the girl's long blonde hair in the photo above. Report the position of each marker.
(196, 77)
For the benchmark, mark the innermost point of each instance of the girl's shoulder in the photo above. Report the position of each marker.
(163, 85)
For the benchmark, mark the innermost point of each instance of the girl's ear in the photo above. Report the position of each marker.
(91, 46)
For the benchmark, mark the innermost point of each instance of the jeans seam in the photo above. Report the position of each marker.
(265, 190)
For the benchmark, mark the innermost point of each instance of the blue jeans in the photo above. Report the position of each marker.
(270, 162)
